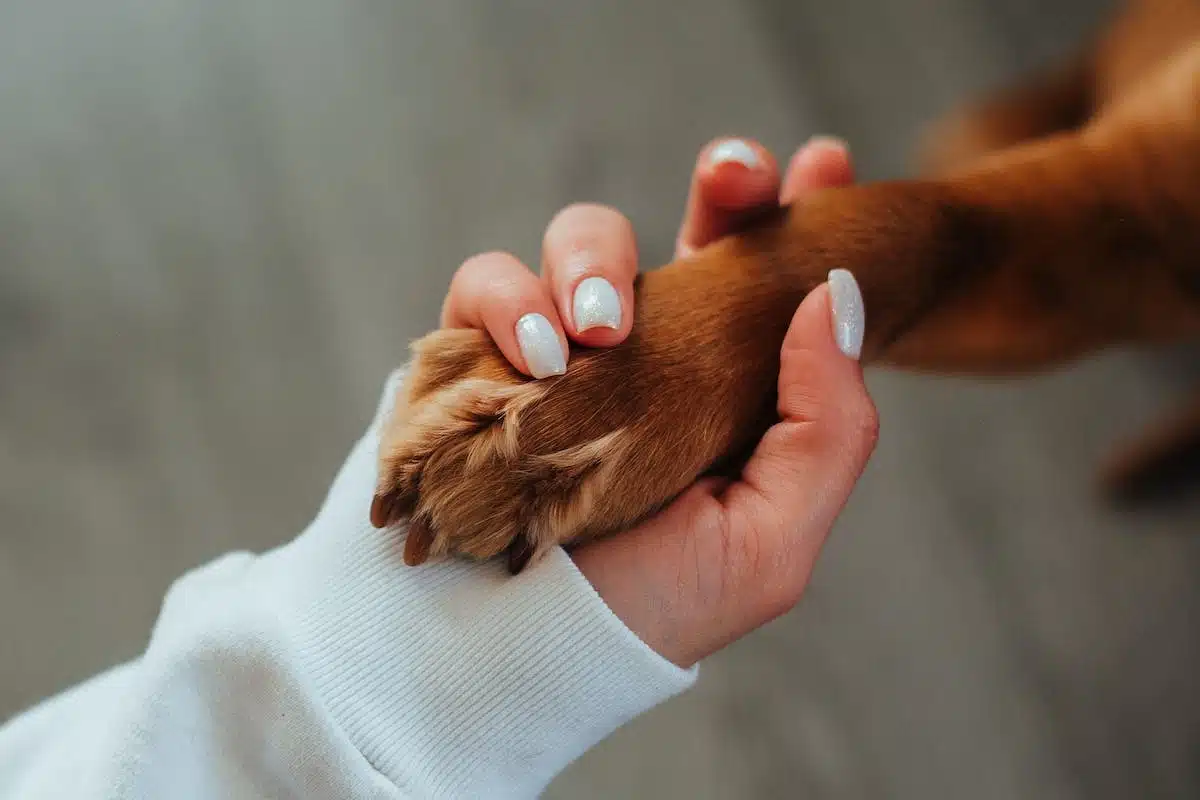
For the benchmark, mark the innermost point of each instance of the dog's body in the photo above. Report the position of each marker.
(1059, 218)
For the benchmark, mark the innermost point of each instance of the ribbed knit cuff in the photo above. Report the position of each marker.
(455, 679)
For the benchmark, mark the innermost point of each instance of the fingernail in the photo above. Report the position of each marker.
(829, 141)
(540, 345)
(734, 150)
(849, 316)
(596, 305)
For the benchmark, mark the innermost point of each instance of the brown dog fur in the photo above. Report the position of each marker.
(1059, 218)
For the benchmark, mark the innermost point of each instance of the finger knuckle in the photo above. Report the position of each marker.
(582, 221)
(788, 437)
(589, 208)
(483, 263)
(800, 397)
(864, 417)
(569, 214)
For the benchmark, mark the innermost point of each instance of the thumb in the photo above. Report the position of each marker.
(715, 565)
(805, 466)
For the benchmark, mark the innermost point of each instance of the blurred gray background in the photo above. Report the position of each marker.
(221, 221)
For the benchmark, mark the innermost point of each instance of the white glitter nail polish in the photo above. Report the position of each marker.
(849, 315)
(540, 345)
(734, 150)
(596, 305)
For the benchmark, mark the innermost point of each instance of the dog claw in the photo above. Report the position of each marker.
(519, 554)
(389, 507)
(381, 509)
(419, 542)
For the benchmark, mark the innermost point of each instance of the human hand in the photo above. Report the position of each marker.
(590, 259)
(724, 558)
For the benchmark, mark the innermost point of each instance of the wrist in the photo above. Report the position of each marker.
(453, 673)
(668, 580)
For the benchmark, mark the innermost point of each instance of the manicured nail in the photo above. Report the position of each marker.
(540, 345)
(734, 150)
(849, 316)
(596, 305)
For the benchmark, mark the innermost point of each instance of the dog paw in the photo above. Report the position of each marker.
(484, 461)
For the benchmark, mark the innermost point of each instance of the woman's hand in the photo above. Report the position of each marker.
(725, 557)
(590, 258)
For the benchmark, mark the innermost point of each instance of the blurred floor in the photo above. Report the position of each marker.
(222, 220)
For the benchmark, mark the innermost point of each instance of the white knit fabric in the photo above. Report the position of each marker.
(328, 669)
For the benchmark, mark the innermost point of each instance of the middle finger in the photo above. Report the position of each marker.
(589, 261)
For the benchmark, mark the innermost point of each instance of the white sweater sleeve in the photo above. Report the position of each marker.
(327, 669)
